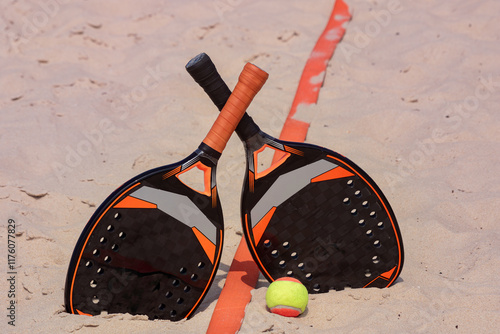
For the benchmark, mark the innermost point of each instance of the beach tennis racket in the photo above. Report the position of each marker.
(154, 245)
(314, 214)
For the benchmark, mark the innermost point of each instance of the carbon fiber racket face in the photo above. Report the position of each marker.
(316, 216)
(152, 248)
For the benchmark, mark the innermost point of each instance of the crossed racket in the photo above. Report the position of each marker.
(154, 245)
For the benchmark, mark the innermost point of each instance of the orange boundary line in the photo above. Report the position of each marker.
(313, 74)
(243, 274)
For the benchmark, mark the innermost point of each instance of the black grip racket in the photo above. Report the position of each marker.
(313, 215)
(154, 245)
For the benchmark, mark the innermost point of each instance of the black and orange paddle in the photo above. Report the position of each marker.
(314, 214)
(154, 245)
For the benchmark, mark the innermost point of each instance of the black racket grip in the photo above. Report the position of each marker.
(203, 71)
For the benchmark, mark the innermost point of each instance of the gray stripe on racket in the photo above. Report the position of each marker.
(180, 207)
(286, 186)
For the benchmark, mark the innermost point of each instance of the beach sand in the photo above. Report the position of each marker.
(96, 92)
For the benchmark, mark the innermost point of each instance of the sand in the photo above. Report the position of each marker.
(95, 92)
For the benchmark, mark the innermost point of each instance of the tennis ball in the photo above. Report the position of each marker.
(287, 297)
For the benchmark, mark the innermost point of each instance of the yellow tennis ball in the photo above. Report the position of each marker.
(287, 297)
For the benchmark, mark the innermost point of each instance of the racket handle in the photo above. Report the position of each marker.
(203, 71)
(249, 83)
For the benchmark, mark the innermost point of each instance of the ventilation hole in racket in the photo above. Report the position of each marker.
(175, 282)
(96, 252)
(309, 276)
(173, 313)
(294, 255)
(187, 289)
(346, 201)
(282, 264)
(93, 284)
(183, 270)
(169, 294)
(194, 178)
(316, 287)
(373, 214)
(122, 235)
(289, 273)
(117, 216)
(369, 233)
(107, 259)
(350, 183)
(301, 266)
(375, 259)
(89, 264)
(380, 225)
(367, 273)
(365, 204)
(361, 222)
(161, 307)
(286, 245)
(103, 240)
(275, 253)
(376, 243)
(110, 228)
(156, 287)
(263, 159)
(201, 265)
(100, 271)
(357, 193)
(354, 212)
(194, 277)
(114, 247)
(180, 301)
(95, 300)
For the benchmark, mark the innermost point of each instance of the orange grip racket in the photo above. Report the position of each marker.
(249, 83)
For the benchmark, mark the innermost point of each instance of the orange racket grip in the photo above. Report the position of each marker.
(249, 83)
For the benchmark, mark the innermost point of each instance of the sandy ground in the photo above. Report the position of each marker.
(95, 92)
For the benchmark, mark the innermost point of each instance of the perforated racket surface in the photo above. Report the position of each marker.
(154, 245)
(314, 215)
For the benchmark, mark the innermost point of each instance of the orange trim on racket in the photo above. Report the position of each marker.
(86, 240)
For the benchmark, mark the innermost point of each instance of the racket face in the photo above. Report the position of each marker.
(316, 216)
(152, 248)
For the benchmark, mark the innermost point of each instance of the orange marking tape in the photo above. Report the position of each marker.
(244, 273)
(314, 72)
(240, 281)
